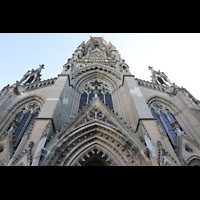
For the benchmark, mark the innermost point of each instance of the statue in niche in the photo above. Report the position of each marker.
(69, 65)
(81, 50)
(80, 54)
(104, 51)
(123, 66)
(89, 51)
(159, 77)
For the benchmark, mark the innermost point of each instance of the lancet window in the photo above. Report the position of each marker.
(167, 122)
(98, 89)
(21, 122)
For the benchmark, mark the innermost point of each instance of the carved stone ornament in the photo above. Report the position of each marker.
(31, 76)
(159, 77)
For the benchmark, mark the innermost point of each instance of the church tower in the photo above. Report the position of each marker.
(96, 113)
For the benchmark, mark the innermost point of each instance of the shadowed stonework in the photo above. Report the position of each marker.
(96, 113)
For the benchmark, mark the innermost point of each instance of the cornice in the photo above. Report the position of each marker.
(151, 85)
(40, 84)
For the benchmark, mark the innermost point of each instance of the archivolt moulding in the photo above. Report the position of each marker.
(74, 146)
(164, 101)
(193, 161)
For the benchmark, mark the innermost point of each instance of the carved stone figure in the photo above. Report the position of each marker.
(31, 76)
(96, 113)
(89, 51)
(4, 90)
(26, 75)
(178, 131)
(159, 77)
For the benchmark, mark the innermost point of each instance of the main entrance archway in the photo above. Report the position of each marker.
(95, 144)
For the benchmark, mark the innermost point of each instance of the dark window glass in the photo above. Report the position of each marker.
(32, 119)
(169, 126)
(91, 95)
(23, 122)
(96, 83)
(92, 115)
(83, 100)
(171, 116)
(159, 120)
(19, 115)
(173, 119)
(21, 125)
(157, 106)
(108, 99)
(100, 95)
(99, 115)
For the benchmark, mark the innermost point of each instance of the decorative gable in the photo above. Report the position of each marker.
(97, 54)
(94, 111)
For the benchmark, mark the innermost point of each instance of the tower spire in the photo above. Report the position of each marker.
(96, 50)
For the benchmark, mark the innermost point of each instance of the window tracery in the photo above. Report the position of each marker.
(167, 122)
(21, 122)
(99, 89)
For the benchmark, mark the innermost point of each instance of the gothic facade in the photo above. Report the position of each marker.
(96, 113)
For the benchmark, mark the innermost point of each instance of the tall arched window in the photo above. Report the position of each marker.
(21, 122)
(83, 100)
(102, 90)
(101, 96)
(167, 122)
(108, 98)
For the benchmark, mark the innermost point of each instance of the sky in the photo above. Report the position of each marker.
(175, 54)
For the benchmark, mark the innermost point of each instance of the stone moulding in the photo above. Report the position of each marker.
(151, 85)
(96, 67)
(40, 84)
(8, 117)
(67, 148)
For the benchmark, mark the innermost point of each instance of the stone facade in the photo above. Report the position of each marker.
(95, 112)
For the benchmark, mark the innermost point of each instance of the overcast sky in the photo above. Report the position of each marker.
(175, 54)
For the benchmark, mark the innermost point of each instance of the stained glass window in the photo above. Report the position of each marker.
(22, 122)
(32, 119)
(167, 121)
(169, 126)
(100, 95)
(83, 100)
(173, 119)
(21, 125)
(96, 83)
(19, 115)
(102, 91)
(159, 121)
(108, 98)
(91, 95)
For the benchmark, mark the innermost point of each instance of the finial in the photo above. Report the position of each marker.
(42, 66)
(150, 67)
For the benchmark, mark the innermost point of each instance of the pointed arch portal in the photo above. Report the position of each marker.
(95, 144)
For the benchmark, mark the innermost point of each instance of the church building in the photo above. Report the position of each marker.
(96, 113)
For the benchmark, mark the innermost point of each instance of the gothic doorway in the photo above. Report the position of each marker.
(95, 158)
(95, 162)
(95, 144)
